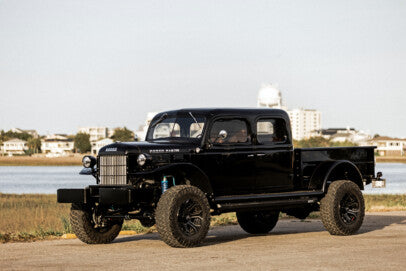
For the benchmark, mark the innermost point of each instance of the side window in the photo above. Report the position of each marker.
(271, 131)
(236, 130)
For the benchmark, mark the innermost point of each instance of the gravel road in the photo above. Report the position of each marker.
(292, 245)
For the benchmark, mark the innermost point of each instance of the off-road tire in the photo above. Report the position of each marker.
(299, 213)
(331, 208)
(169, 219)
(257, 222)
(82, 226)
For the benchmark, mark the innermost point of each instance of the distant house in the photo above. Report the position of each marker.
(96, 133)
(14, 146)
(343, 134)
(389, 146)
(57, 145)
(33, 133)
(96, 146)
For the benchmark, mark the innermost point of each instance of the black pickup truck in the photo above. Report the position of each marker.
(201, 162)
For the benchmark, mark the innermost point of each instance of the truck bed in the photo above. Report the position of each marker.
(307, 159)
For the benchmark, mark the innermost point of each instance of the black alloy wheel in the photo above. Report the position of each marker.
(349, 209)
(190, 217)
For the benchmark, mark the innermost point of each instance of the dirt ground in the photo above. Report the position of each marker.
(292, 245)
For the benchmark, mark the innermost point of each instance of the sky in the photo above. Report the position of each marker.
(67, 64)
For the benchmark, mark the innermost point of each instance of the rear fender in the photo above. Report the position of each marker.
(330, 171)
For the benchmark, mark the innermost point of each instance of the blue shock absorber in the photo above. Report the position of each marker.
(165, 183)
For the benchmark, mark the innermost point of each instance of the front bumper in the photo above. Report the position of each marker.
(104, 195)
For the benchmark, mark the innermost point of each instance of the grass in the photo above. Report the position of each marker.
(390, 159)
(30, 217)
(40, 161)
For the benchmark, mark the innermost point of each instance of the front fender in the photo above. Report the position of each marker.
(330, 171)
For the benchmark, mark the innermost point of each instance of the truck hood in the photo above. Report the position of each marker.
(148, 147)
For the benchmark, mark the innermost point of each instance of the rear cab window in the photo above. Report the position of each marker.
(271, 131)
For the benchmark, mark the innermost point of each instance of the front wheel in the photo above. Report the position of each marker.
(342, 209)
(257, 222)
(183, 216)
(90, 227)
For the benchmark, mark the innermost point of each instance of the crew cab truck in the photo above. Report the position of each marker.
(196, 163)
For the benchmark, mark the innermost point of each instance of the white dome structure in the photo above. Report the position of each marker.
(269, 96)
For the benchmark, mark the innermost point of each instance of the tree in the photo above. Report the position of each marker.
(320, 142)
(34, 145)
(82, 143)
(123, 135)
(23, 136)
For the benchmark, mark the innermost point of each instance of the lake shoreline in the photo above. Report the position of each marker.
(41, 161)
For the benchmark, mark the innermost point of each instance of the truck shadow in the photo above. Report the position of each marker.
(225, 234)
(373, 222)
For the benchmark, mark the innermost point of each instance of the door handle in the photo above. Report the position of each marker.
(261, 154)
(250, 155)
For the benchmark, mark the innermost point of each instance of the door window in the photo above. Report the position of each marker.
(271, 131)
(235, 129)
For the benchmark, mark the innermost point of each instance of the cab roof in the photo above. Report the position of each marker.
(252, 112)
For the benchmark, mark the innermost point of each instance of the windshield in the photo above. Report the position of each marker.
(178, 127)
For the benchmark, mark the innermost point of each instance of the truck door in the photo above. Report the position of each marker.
(273, 156)
(228, 161)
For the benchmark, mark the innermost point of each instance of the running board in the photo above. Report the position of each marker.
(277, 204)
(269, 196)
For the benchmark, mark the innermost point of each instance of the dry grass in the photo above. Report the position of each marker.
(391, 159)
(40, 161)
(33, 217)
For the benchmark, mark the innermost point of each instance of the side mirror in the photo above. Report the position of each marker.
(222, 134)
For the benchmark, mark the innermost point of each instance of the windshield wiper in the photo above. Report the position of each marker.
(190, 113)
(161, 118)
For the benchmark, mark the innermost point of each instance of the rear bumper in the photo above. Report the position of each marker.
(120, 195)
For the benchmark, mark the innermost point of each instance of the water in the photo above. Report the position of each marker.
(46, 180)
(395, 175)
(43, 180)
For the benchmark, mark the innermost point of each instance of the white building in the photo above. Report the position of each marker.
(96, 146)
(303, 121)
(57, 145)
(14, 146)
(389, 146)
(141, 134)
(96, 133)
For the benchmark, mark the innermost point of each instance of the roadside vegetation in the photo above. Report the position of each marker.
(40, 161)
(32, 217)
(314, 142)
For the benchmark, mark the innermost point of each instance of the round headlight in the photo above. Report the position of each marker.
(89, 161)
(141, 159)
(86, 161)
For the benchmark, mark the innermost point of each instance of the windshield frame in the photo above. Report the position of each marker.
(160, 118)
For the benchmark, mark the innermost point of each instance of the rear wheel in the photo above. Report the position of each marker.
(342, 209)
(92, 228)
(257, 222)
(183, 216)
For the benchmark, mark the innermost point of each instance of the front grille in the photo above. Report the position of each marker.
(113, 170)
